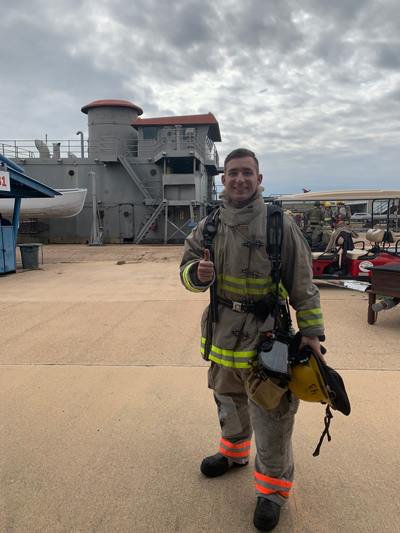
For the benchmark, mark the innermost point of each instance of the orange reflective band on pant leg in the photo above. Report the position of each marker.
(263, 489)
(268, 485)
(236, 446)
(273, 480)
(235, 450)
(270, 491)
(233, 454)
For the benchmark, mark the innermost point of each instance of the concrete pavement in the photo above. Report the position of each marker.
(106, 416)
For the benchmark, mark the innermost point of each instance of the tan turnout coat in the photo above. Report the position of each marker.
(243, 274)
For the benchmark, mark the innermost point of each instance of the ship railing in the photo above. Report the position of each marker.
(57, 149)
(180, 140)
(172, 140)
(177, 140)
(13, 150)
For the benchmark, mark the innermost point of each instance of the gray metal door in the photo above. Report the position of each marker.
(126, 221)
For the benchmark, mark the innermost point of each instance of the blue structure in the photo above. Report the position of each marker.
(21, 186)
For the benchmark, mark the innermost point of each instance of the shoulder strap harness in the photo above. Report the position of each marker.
(273, 248)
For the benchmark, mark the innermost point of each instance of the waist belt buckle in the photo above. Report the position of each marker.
(237, 306)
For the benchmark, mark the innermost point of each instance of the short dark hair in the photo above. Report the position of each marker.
(238, 154)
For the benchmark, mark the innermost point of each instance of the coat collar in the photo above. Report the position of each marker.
(238, 216)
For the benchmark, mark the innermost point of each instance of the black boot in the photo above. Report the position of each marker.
(266, 515)
(217, 465)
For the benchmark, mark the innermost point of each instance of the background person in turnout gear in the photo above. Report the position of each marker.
(327, 223)
(327, 215)
(340, 216)
(242, 272)
(348, 214)
(315, 217)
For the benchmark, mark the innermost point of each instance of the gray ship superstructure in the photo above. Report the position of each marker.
(148, 179)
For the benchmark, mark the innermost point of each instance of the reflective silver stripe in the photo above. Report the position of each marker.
(242, 451)
(310, 317)
(249, 286)
(244, 286)
(267, 483)
(185, 276)
(228, 357)
(231, 358)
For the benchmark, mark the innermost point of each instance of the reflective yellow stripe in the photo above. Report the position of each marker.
(306, 324)
(244, 286)
(229, 357)
(284, 293)
(315, 319)
(316, 311)
(224, 287)
(239, 281)
(186, 280)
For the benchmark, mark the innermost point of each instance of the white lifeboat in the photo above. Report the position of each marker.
(68, 204)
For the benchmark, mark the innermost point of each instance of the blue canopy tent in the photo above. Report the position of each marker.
(15, 184)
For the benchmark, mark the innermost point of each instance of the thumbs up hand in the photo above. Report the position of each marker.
(205, 270)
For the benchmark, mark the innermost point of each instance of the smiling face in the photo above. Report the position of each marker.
(241, 179)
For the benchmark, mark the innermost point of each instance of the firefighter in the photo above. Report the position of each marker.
(242, 272)
(327, 220)
(348, 214)
(340, 216)
(314, 217)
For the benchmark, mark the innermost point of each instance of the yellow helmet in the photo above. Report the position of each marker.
(288, 212)
(308, 383)
(327, 204)
(314, 381)
(339, 202)
(323, 203)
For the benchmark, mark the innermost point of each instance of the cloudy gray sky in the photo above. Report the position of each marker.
(312, 86)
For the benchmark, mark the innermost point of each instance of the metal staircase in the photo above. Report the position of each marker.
(150, 188)
(136, 173)
(155, 212)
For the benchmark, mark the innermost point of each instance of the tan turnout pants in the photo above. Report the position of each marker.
(273, 428)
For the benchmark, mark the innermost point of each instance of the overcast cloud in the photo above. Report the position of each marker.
(312, 87)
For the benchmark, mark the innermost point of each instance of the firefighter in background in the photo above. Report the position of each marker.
(327, 223)
(348, 214)
(340, 216)
(314, 217)
(328, 215)
(315, 220)
(296, 217)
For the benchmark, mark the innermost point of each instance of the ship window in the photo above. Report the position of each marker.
(149, 132)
